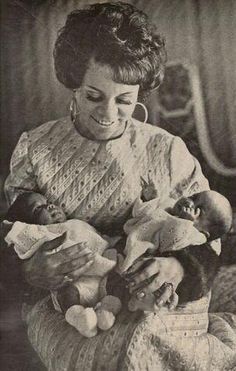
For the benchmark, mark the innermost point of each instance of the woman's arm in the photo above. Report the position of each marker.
(43, 270)
(21, 177)
(52, 271)
(200, 265)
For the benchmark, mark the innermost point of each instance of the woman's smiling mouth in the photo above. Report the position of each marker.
(103, 122)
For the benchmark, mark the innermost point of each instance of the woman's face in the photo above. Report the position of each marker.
(104, 105)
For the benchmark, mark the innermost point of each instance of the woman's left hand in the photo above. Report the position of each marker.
(148, 275)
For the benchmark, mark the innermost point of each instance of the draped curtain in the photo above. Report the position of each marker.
(197, 31)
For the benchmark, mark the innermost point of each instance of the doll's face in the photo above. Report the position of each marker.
(198, 208)
(43, 212)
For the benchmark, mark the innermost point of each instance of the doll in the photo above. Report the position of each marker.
(84, 302)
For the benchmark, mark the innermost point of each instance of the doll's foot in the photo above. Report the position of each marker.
(105, 318)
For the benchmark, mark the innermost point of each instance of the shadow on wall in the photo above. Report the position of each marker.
(31, 95)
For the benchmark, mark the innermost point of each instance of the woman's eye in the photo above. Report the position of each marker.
(123, 101)
(93, 98)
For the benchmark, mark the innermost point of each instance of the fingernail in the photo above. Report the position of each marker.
(140, 295)
(161, 302)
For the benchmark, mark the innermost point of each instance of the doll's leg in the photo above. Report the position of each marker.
(117, 286)
(67, 296)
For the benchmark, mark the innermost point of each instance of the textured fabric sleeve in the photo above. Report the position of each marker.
(186, 176)
(200, 263)
(21, 177)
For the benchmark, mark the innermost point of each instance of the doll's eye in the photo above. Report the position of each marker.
(37, 209)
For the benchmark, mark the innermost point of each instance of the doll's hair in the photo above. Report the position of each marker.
(221, 220)
(18, 210)
(114, 34)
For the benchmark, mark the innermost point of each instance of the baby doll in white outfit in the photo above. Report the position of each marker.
(193, 220)
(205, 216)
(36, 221)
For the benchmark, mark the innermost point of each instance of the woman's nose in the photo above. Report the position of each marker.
(107, 111)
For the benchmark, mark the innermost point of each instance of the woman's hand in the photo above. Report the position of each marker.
(52, 270)
(149, 275)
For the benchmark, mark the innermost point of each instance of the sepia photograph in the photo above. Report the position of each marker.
(118, 185)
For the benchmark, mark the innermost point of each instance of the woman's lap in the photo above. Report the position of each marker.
(135, 342)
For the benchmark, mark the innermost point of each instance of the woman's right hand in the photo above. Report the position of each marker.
(156, 275)
(51, 271)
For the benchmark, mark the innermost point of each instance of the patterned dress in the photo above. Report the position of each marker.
(98, 182)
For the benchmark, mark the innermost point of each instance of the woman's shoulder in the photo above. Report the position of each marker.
(49, 128)
(152, 133)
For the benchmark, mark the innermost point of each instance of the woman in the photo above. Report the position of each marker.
(91, 163)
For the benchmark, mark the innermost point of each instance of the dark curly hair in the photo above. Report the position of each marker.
(114, 34)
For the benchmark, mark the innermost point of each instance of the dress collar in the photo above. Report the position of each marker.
(128, 123)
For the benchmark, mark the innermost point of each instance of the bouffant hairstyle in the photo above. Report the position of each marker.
(114, 34)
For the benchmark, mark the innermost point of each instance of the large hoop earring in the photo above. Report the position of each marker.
(145, 111)
(74, 112)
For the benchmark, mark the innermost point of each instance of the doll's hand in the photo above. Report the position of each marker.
(149, 191)
(191, 212)
(51, 271)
